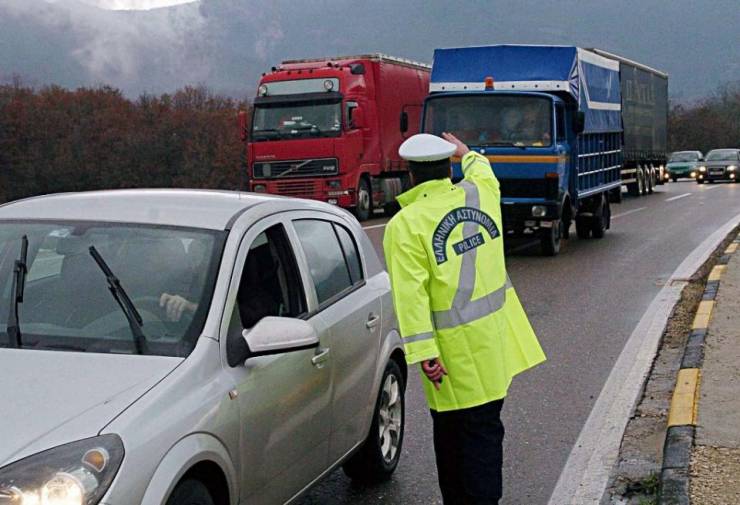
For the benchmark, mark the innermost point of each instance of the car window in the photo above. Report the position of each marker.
(270, 284)
(326, 260)
(167, 272)
(351, 254)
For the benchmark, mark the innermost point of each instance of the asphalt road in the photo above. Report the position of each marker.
(584, 304)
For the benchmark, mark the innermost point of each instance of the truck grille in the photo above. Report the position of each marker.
(523, 188)
(296, 168)
(300, 189)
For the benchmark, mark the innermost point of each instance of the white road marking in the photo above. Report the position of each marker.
(627, 213)
(372, 227)
(707, 188)
(677, 197)
(585, 476)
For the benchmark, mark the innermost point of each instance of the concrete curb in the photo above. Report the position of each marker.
(679, 439)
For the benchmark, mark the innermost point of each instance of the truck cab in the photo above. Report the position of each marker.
(330, 129)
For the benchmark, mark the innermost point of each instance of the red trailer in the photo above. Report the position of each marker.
(329, 129)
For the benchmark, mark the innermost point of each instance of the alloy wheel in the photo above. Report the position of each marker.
(390, 418)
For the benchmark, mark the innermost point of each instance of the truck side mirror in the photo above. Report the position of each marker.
(404, 122)
(579, 122)
(242, 121)
(358, 118)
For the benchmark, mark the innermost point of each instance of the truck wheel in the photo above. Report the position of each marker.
(600, 220)
(378, 457)
(190, 492)
(364, 207)
(583, 227)
(650, 182)
(551, 238)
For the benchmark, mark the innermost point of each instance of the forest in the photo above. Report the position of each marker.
(57, 140)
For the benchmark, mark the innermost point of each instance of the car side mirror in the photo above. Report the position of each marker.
(358, 118)
(579, 122)
(277, 335)
(404, 122)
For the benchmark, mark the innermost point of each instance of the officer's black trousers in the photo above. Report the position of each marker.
(468, 445)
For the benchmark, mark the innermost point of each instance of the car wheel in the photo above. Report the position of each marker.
(190, 492)
(674, 178)
(364, 200)
(378, 457)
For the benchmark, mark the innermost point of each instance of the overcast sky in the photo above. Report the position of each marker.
(157, 46)
(124, 5)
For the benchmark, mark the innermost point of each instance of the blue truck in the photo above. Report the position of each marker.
(564, 128)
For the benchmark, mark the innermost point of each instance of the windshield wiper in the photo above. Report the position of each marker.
(19, 285)
(505, 143)
(292, 169)
(135, 321)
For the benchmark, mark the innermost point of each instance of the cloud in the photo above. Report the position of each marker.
(153, 50)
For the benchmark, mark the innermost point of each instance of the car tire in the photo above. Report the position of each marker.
(364, 207)
(190, 492)
(377, 458)
(674, 178)
(699, 181)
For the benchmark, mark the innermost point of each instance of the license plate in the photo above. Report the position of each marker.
(716, 172)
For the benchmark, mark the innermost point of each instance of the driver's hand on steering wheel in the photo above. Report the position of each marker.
(176, 305)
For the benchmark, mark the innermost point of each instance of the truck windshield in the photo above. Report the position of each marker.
(292, 120)
(723, 155)
(168, 273)
(684, 157)
(494, 120)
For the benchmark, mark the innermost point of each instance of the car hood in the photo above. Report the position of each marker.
(53, 397)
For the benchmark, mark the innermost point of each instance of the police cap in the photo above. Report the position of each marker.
(424, 147)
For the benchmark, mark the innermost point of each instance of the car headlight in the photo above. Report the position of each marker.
(731, 168)
(702, 169)
(73, 474)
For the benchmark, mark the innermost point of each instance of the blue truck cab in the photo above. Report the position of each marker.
(549, 120)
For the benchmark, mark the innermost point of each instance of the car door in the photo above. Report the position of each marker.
(284, 399)
(352, 310)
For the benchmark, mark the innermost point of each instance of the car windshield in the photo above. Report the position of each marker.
(168, 273)
(494, 120)
(683, 157)
(293, 120)
(723, 155)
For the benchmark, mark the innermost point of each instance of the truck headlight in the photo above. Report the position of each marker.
(73, 474)
(702, 169)
(539, 211)
(259, 188)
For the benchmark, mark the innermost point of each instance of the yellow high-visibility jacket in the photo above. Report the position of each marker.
(453, 299)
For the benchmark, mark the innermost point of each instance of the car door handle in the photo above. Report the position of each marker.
(319, 359)
(372, 321)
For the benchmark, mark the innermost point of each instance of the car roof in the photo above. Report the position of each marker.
(209, 209)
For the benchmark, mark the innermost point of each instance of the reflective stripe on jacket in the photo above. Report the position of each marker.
(453, 299)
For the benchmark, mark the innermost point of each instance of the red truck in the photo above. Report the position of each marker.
(329, 129)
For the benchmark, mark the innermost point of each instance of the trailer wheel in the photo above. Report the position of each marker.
(551, 238)
(601, 219)
(650, 181)
(364, 207)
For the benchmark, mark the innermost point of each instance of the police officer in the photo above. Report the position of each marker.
(458, 314)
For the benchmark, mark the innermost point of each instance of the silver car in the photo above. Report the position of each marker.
(191, 348)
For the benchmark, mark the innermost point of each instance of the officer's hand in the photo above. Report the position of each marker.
(462, 149)
(434, 370)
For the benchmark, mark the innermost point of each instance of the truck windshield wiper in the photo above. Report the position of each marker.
(19, 285)
(292, 169)
(505, 143)
(135, 321)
